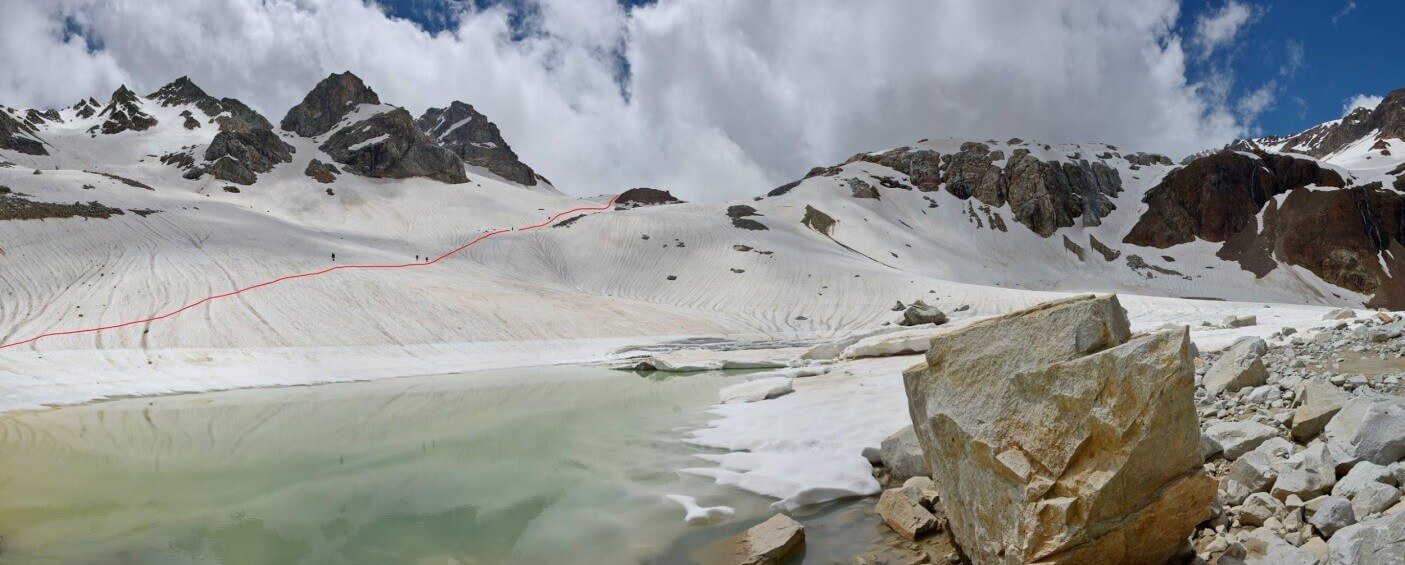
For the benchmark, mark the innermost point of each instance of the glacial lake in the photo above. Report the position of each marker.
(541, 465)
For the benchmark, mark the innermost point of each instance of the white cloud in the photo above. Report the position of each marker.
(1366, 101)
(1293, 59)
(1218, 29)
(1346, 9)
(726, 98)
(1257, 101)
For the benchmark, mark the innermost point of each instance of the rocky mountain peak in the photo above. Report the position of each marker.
(180, 91)
(477, 141)
(124, 113)
(328, 102)
(1387, 119)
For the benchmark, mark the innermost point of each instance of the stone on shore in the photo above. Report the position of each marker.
(766, 543)
(1055, 439)
(902, 455)
(904, 515)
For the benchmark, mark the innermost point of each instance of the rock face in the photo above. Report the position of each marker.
(1053, 438)
(388, 145)
(239, 156)
(16, 135)
(124, 113)
(1044, 196)
(330, 101)
(1217, 196)
(476, 140)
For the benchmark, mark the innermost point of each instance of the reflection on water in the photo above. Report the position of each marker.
(564, 464)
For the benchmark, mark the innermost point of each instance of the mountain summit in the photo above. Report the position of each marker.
(476, 140)
(328, 102)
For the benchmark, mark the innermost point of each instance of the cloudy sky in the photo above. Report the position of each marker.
(721, 99)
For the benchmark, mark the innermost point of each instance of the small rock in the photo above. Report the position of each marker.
(1258, 508)
(919, 313)
(902, 455)
(1240, 366)
(904, 515)
(766, 543)
(1320, 402)
(1335, 514)
(1240, 321)
(1238, 438)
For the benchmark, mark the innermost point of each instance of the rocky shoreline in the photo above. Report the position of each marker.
(1054, 434)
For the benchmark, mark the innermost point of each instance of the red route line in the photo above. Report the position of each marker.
(237, 291)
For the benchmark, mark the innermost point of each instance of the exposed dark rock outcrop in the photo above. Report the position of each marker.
(239, 156)
(86, 108)
(327, 103)
(15, 206)
(1214, 197)
(124, 113)
(643, 196)
(321, 172)
(1044, 195)
(389, 145)
(16, 135)
(741, 217)
(1343, 236)
(476, 140)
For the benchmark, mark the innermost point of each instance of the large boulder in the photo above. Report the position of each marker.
(1369, 427)
(1379, 540)
(920, 313)
(1052, 438)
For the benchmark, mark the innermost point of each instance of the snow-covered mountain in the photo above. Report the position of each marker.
(116, 211)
